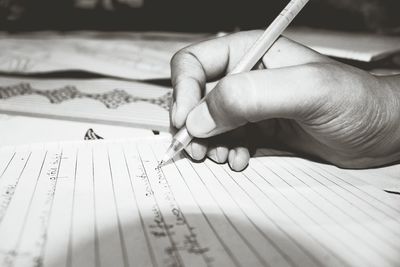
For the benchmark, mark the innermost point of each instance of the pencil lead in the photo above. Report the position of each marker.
(160, 164)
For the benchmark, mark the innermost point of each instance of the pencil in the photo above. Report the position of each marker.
(245, 64)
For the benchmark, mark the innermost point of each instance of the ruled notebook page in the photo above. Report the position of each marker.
(104, 203)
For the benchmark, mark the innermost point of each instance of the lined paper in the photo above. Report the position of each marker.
(104, 203)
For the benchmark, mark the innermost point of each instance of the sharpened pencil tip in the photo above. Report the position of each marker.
(160, 164)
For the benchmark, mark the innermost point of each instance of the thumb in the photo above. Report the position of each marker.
(291, 93)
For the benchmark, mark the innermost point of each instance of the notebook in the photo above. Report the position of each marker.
(105, 203)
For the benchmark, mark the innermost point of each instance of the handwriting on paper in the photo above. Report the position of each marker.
(104, 203)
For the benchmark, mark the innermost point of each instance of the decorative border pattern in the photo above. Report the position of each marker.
(111, 100)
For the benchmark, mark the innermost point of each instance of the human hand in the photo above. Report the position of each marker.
(298, 98)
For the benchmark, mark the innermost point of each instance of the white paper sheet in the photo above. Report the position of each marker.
(364, 47)
(105, 204)
(20, 130)
(136, 56)
(386, 178)
(107, 101)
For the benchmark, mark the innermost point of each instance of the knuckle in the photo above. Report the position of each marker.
(178, 56)
(186, 66)
(175, 68)
(179, 61)
(176, 61)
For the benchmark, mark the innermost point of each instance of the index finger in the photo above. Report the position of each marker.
(194, 66)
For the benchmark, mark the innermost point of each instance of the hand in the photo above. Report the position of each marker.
(297, 98)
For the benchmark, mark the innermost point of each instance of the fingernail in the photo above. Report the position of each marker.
(221, 155)
(200, 122)
(196, 151)
(212, 154)
(188, 150)
(232, 158)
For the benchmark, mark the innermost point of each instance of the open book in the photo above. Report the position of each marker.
(104, 203)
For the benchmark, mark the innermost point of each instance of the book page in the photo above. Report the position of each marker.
(108, 101)
(105, 203)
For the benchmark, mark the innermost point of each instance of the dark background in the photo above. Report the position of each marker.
(196, 15)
